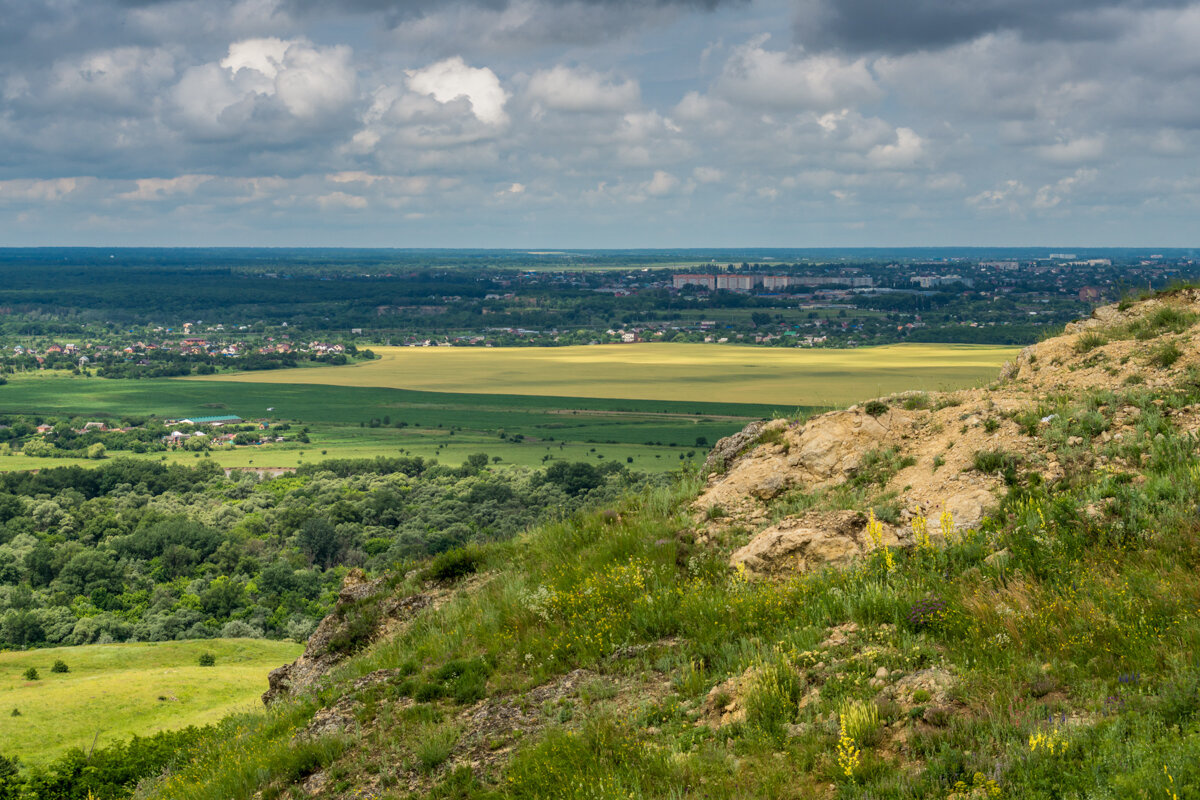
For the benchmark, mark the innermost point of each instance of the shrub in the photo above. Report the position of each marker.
(1089, 340)
(1165, 355)
(994, 461)
(991, 424)
(60, 666)
(358, 626)
(1179, 699)
(454, 564)
(875, 407)
(463, 679)
(207, 660)
(31, 674)
(878, 467)
(434, 745)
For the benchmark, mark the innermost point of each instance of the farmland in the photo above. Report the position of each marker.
(115, 690)
(521, 405)
(447, 426)
(785, 377)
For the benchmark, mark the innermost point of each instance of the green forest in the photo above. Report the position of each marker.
(141, 551)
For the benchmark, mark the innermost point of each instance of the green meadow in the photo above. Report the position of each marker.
(446, 426)
(116, 690)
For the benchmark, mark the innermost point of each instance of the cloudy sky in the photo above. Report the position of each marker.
(600, 123)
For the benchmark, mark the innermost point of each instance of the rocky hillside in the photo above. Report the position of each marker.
(943, 456)
(985, 593)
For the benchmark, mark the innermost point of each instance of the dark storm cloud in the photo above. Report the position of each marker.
(906, 25)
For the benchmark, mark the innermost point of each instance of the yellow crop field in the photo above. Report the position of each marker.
(731, 374)
(113, 691)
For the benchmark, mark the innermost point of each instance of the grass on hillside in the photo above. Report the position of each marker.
(1067, 627)
(788, 377)
(116, 690)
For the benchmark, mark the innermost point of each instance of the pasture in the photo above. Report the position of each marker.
(649, 403)
(116, 690)
(785, 377)
(445, 426)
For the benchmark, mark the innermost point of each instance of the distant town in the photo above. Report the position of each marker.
(261, 318)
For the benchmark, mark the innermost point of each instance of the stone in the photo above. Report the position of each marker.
(882, 673)
(968, 507)
(769, 487)
(799, 544)
(722, 456)
(318, 657)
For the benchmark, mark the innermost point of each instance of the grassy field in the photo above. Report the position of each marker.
(785, 377)
(649, 403)
(117, 690)
(558, 427)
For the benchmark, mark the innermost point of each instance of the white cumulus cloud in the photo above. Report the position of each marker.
(452, 79)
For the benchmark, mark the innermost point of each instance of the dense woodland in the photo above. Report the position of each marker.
(136, 550)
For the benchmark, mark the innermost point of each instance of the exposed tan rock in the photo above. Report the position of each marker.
(800, 544)
(967, 508)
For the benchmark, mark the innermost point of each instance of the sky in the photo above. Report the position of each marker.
(599, 123)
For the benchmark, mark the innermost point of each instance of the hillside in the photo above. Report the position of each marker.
(985, 593)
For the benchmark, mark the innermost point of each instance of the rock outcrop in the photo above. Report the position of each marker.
(798, 544)
(922, 451)
(728, 448)
(363, 611)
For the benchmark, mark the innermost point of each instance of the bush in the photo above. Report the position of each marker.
(462, 679)
(1179, 699)
(454, 564)
(1089, 340)
(60, 666)
(434, 746)
(991, 461)
(875, 407)
(31, 674)
(1165, 355)
(208, 660)
(358, 626)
